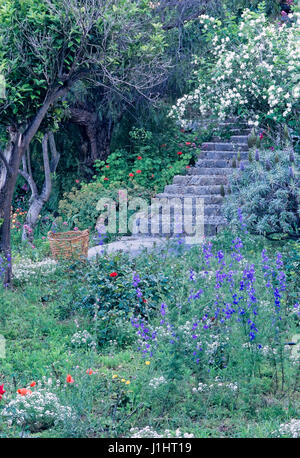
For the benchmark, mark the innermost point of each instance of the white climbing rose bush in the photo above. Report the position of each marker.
(251, 69)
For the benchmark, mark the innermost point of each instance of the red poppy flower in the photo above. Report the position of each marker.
(188, 143)
(113, 274)
(2, 391)
(179, 153)
(131, 174)
(32, 384)
(24, 391)
(188, 167)
(145, 301)
(77, 181)
(69, 379)
(107, 166)
(105, 179)
(138, 171)
(139, 158)
(89, 371)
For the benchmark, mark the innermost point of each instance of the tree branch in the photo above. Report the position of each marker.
(55, 156)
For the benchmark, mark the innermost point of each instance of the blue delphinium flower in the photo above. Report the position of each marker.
(136, 279)
(236, 247)
(207, 252)
(242, 224)
(192, 275)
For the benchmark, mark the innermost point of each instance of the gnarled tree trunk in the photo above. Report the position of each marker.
(37, 201)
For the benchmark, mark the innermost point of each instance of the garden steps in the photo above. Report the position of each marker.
(207, 180)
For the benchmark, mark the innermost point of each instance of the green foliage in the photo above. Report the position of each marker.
(149, 163)
(48, 45)
(111, 300)
(267, 192)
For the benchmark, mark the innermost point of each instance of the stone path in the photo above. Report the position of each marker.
(207, 180)
(131, 245)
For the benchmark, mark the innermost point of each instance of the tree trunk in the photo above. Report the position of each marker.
(10, 160)
(9, 165)
(37, 201)
(104, 131)
(97, 132)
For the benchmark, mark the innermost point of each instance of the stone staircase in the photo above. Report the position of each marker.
(207, 180)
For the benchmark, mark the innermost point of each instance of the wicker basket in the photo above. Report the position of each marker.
(65, 245)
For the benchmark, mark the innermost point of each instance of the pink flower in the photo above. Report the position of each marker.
(75, 228)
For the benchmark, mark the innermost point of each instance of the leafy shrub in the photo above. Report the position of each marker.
(79, 207)
(250, 71)
(267, 193)
(151, 161)
(107, 293)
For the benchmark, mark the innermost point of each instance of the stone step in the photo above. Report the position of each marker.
(200, 180)
(223, 146)
(240, 139)
(226, 155)
(237, 131)
(216, 163)
(205, 171)
(194, 190)
(211, 225)
(208, 199)
(168, 210)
